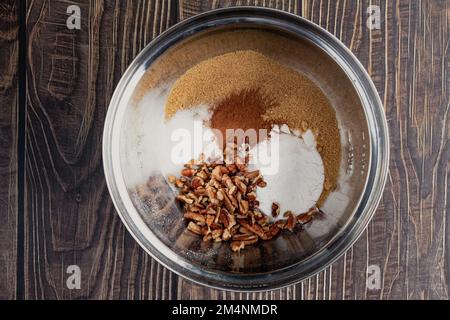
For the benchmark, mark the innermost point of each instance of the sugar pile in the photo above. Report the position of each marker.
(155, 145)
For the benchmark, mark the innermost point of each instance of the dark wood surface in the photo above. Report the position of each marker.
(68, 217)
(9, 66)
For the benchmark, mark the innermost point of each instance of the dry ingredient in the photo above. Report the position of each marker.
(294, 99)
(220, 204)
(294, 174)
(247, 90)
(241, 110)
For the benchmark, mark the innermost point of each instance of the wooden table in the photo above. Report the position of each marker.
(55, 87)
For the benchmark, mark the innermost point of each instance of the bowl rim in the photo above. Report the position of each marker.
(378, 139)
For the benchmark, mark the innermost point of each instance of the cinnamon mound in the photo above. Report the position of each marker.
(243, 110)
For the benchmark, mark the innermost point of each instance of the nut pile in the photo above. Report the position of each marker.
(219, 200)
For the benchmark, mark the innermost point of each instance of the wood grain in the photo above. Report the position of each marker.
(9, 64)
(69, 217)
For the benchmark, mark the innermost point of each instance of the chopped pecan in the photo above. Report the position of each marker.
(227, 219)
(187, 172)
(224, 170)
(252, 174)
(275, 209)
(226, 180)
(231, 168)
(228, 203)
(195, 228)
(226, 235)
(244, 230)
(209, 220)
(240, 185)
(201, 191)
(197, 182)
(255, 228)
(207, 237)
(202, 174)
(262, 184)
(199, 218)
(179, 183)
(232, 190)
(184, 199)
(251, 196)
(220, 202)
(273, 231)
(304, 218)
(290, 224)
(244, 237)
(216, 234)
(243, 206)
(220, 195)
(217, 173)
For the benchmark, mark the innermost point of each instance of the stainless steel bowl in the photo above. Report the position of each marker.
(150, 213)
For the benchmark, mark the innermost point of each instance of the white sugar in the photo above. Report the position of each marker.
(150, 144)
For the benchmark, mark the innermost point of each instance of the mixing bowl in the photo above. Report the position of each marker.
(145, 201)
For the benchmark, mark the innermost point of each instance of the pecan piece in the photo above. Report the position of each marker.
(245, 237)
(197, 182)
(244, 230)
(226, 180)
(226, 235)
(185, 199)
(251, 174)
(228, 203)
(217, 173)
(187, 172)
(304, 218)
(275, 209)
(209, 220)
(179, 183)
(216, 234)
(202, 174)
(251, 196)
(243, 206)
(199, 218)
(255, 228)
(240, 185)
(200, 191)
(207, 237)
(290, 224)
(227, 219)
(220, 195)
(273, 231)
(195, 228)
(262, 184)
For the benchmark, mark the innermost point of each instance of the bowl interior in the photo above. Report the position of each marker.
(152, 196)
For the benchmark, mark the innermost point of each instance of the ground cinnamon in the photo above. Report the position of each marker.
(242, 110)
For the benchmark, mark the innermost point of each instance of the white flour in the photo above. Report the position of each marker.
(298, 182)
